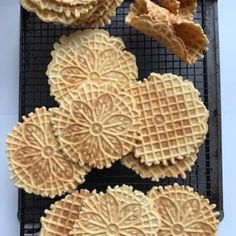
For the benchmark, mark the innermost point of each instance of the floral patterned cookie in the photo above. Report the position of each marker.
(98, 127)
(120, 211)
(183, 212)
(89, 56)
(37, 164)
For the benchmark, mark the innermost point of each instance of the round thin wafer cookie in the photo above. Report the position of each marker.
(120, 211)
(35, 160)
(61, 216)
(173, 119)
(47, 15)
(101, 15)
(157, 172)
(184, 212)
(184, 38)
(93, 57)
(98, 127)
(74, 11)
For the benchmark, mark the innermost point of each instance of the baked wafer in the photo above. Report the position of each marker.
(47, 15)
(173, 119)
(61, 216)
(35, 160)
(157, 172)
(90, 55)
(98, 127)
(75, 2)
(101, 14)
(184, 38)
(183, 8)
(120, 211)
(183, 211)
(74, 11)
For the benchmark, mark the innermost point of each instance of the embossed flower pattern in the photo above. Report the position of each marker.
(184, 220)
(183, 212)
(101, 126)
(93, 57)
(36, 159)
(117, 213)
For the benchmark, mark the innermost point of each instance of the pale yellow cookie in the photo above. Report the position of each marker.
(183, 8)
(183, 37)
(184, 212)
(120, 211)
(101, 15)
(73, 11)
(61, 216)
(35, 160)
(98, 127)
(157, 172)
(173, 119)
(75, 2)
(47, 15)
(90, 55)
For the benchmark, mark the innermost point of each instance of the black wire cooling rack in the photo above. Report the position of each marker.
(36, 43)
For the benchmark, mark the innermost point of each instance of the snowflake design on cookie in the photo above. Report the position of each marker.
(184, 212)
(98, 127)
(120, 211)
(36, 162)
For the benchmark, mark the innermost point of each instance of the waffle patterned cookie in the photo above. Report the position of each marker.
(35, 160)
(120, 211)
(90, 55)
(183, 8)
(71, 11)
(173, 119)
(98, 127)
(157, 172)
(183, 37)
(101, 14)
(61, 216)
(184, 212)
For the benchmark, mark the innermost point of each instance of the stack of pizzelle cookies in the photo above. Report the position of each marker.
(154, 127)
(121, 210)
(77, 13)
(170, 23)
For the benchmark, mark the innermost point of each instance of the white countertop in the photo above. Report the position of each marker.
(9, 64)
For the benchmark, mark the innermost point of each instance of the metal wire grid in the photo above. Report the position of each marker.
(37, 39)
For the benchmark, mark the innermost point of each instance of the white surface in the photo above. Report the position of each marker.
(9, 53)
(9, 63)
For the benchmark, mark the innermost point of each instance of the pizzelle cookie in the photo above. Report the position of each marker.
(157, 172)
(184, 212)
(173, 119)
(101, 14)
(35, 160)
(184, 38)
(120, 211)
(183, 8)
(59, 13)
(61, 216)
(90, 55)
(47, 15)
(98, 127)
(74, 11)
(75, 2)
